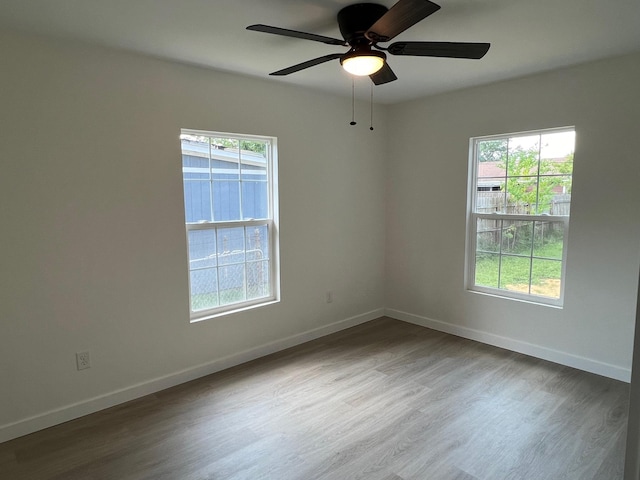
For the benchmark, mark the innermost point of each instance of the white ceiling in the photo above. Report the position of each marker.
(526, 36)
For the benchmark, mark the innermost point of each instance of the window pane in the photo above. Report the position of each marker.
(224, 169)
(488, 237)
(225, 144)
(257, 243)
(557, 144)
(523, 155)
(225, 159)
(548, 240)
(197, 201)
(487, 269)
(255, 201)
(253, 161)
(561, 203)
(515, 273)
(258, 275)
(231, 254)
(232, 286)
(253, 168)
(226, 201)
(231, 245)
(547, 189)
(202, 249)
(492, 151)
(546, 277)
(235, 281)
(195, 156)
(522, 171)
(495, 170)
(195, 167)
(491, 201)
(204, 289)
(521, 195)
(516, 237)
(255, 148)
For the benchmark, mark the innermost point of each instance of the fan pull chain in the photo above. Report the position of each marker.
(371, 125)
(353, 102)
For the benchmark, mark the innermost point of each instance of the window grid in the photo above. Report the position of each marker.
(535, 215)
(241, 255)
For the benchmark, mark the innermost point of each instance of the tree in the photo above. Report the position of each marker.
(249, 145)
(492, 150)
(531, 181)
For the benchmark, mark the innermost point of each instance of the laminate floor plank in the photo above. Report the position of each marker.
(613, 464)
(385, 400)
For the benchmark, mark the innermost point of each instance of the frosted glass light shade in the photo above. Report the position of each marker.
(363, 64)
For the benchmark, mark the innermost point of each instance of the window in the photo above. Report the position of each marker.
(518, 222)
(231, 216)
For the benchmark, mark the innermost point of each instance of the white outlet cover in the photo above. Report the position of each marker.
(83, 360)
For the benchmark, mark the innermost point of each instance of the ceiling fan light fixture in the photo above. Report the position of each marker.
(363, 63)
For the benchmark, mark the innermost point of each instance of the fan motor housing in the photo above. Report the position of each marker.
(355, 20)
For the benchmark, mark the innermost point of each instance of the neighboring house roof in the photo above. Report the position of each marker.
(490, 169)
(496, 169)
(201, 149)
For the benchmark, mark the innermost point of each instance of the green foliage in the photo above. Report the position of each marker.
(515, 270)
(252, 146)
(515, 237)
(531, 181)
(508, 265)
(257, 147)
(524, 255)
(492, 150)
(566, 168)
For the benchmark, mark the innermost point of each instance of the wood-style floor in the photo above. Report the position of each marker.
(384, 400)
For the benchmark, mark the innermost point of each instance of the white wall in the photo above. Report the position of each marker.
(93, 253)
(427, 182)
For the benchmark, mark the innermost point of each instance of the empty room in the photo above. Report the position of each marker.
(319, 240)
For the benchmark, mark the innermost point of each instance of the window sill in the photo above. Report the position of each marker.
(530, 301)
(241, 308)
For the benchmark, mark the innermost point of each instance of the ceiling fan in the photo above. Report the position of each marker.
(365, 25)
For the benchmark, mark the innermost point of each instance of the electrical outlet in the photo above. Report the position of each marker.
(83, 360)
(329, 297)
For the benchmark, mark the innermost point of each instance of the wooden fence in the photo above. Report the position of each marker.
(494, 202)
(489, 229)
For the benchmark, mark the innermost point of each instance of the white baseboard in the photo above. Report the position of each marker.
(556, 356)
(92, 405)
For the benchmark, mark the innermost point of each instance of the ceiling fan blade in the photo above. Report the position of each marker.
(307, 64)
(384, 75)
(401, 16)
(440, 49)
(296, 34)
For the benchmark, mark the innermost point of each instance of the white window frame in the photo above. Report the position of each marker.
(473, 216)
(272, 223)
